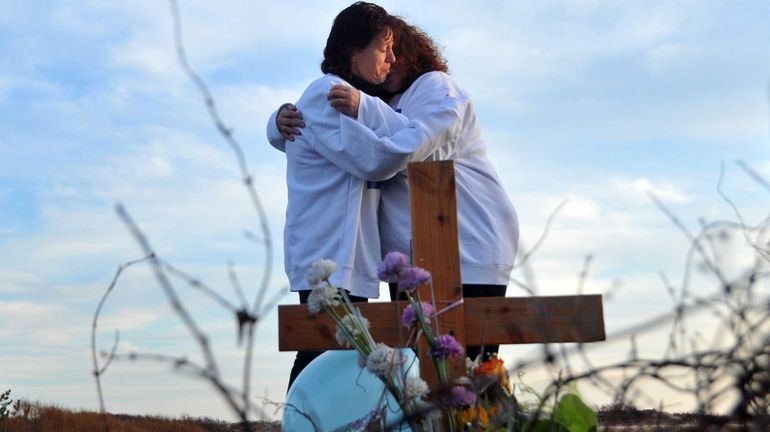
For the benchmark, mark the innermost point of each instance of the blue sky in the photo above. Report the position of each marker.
(594, 102)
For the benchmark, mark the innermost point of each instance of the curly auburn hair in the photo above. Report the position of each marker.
(353, 30)
(415, 51)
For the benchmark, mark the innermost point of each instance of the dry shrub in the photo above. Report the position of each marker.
(46, 418)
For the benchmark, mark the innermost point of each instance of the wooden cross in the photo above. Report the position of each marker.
(478, 321)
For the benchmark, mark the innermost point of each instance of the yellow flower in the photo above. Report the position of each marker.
(494, 367)
(483, 416)
(473, 414)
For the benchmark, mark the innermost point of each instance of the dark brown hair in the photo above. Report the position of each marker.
(353, 30)
(415, 51)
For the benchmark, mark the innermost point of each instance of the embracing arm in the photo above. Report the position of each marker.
(284, 124)
(421, 136)
(369, 110)
(358, 150)
(379, 116)
(273, 135)
(427, 99)
(426, 95)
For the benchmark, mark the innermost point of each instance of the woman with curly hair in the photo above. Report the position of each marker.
(416, 85)
(488, 224)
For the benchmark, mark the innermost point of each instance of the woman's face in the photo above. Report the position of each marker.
(372, 63)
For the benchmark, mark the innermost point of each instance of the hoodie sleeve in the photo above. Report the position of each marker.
(431, 99)
(417, 140)
(358, 150)
(273, 135)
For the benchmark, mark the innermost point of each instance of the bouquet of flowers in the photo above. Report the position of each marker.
(495, 404)
(381, 360)
(483, 400)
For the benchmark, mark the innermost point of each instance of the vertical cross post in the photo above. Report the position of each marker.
(436, 248)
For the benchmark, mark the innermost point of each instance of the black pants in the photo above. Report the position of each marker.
(469, 290)
(306, 356)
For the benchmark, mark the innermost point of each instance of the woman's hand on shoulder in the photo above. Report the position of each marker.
(289, 120)
(344, 99)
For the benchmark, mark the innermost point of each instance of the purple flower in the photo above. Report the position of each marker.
(447, 347)
(412, 278)
(409, 317)
(391, 267)
(460, 396)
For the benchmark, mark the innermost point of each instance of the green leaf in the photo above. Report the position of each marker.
(545, 426)
(575, 415)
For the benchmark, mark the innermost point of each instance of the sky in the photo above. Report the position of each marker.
(596, 103)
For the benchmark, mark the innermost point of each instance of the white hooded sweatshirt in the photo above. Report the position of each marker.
(331, 213)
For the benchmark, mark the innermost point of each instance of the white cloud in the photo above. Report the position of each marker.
(16, 83)
(81, 21)
(208, 47)
(41, 324)
(24, 311)
(581, 209)
(646, 26)
(667, 55)
(16, 282)
(153, 60)
(665, 192)
(248, 106)
(130, 319)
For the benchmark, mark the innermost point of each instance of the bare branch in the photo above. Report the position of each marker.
(227, 134)
(236, 285)
(543, 235)
(753, 174)
(693, 240)
(97, 370)
(584, 273)
(200, 286)
(184, 365)
(111, 355)
(273, 302)
(168, 289)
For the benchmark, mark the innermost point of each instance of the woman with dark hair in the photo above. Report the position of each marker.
(331, 213)
(488, 224)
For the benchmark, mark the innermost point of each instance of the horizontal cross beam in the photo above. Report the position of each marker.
(490, 320)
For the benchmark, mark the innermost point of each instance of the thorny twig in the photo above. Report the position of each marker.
(198, 285)
(543, 235)
(250, 316)
(99, 370)
(185, 365)
(530, 286)
(211, 368)
(246, 317)
(739, 369)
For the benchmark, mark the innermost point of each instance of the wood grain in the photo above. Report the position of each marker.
(508, 320)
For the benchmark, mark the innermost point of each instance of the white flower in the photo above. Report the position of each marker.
(354, 326)
(423, 409)
(471, 364)
(325, 295)
(415, 388)
(383, 360)
(463, 381)
(320, 271)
